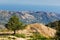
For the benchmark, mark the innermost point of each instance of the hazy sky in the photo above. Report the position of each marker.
(43, 5)
(31, 2)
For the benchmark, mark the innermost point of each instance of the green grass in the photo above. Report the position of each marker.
(37, 36)
(5, 37)
(20, 35)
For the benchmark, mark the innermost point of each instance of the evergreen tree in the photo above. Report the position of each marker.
(14, 24)
(58, 30)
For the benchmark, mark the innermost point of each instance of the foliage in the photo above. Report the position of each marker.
(20, 35)
(37, 36)
(55, 24)
(14, 24)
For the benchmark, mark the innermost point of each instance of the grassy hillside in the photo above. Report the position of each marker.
(31, 32)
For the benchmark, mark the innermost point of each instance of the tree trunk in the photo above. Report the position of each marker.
(14, 31)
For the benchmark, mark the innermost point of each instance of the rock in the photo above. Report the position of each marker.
(12, 37)
(20, 39)
(42, 29)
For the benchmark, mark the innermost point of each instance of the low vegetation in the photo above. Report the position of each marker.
(20, 35)
(36, 36)
(55, 25)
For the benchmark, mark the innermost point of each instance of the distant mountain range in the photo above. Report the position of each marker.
(29, 17)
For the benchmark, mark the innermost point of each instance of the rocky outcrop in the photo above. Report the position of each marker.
(42, 29)
(39, 28)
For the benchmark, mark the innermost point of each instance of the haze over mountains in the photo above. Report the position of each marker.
(29, 17)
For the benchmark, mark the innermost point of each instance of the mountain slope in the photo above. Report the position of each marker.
(39, 28)
(29, 17)
(55, 24)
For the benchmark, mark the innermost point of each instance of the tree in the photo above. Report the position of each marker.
(14, 24)
(58, 30)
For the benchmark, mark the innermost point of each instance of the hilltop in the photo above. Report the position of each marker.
(39, 28)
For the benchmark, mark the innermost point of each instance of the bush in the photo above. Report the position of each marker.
(37, 36)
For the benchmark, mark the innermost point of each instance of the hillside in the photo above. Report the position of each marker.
(32, 31)
(29, 17)
(39, 28)
(55, 24)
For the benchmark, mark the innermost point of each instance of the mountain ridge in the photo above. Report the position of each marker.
(29, 17)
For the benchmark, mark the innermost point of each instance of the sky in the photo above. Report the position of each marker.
(30, 5)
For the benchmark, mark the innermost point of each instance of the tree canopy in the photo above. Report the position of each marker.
(14, 24)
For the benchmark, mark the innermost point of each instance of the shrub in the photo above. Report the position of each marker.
(37, 36)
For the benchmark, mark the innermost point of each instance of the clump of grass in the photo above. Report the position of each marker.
(37, 36)
(20, 35)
